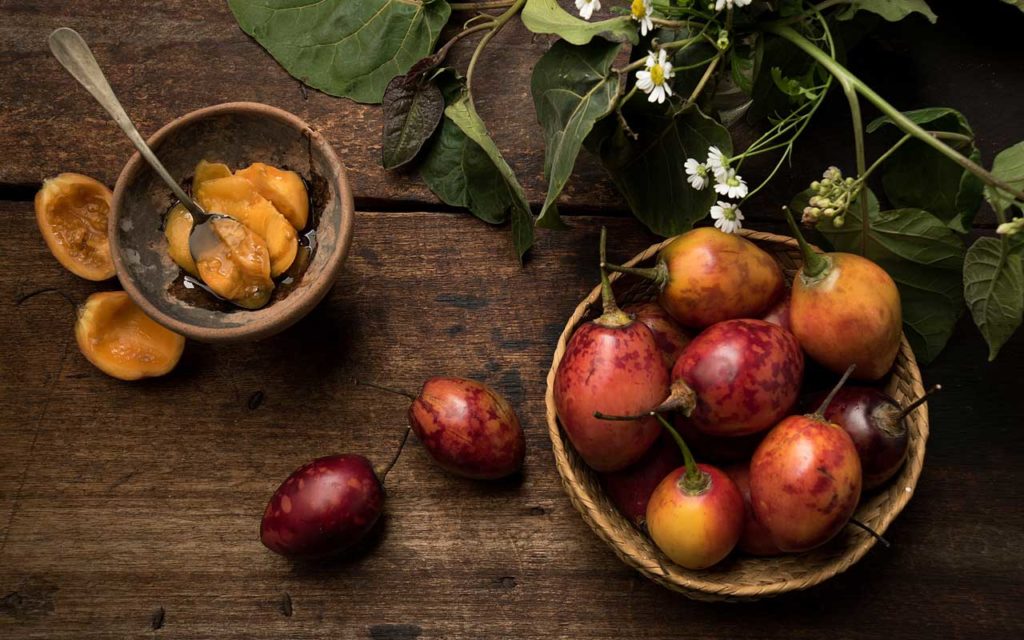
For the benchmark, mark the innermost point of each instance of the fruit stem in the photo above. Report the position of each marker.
(658, 274)
(907, 410)
(814, 263)
(382, 472)
(695, 480)
(832, 394)
(612, 315)
(397, 392)
(875, 534)
(681, 398)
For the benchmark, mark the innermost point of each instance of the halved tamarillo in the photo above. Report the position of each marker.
(845, 309)
(707, 276)
(613, 365)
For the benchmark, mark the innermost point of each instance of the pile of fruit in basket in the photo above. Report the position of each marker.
(718, 363)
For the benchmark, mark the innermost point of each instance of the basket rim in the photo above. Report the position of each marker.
(659, 568)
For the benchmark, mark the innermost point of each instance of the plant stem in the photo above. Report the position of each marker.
(694, 480)
(882, 158)
(816, 9)
(477, 6)
(858, 143)
(907, 410)
(900, 120)
(496, 26)
(443, 51)
(397, 392)
(703, 81)
(814, 263)
(382, 472)
(832, 394)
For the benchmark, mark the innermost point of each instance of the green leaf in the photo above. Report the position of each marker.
(343, 47)
(925, 259)
(443, 169)
(994, 289)
(891, 10)
(546, 17)
(1015, 3)
(573, 87)
(649, 172)
(916, 175)
(413, 107)
(1008, 167)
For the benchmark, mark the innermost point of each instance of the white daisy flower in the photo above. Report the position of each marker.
(653, 79)
(727, 183)
(588, 7)
(717, 161)
(727, 217)
(642, 11)
(722, 4)
(698, 175)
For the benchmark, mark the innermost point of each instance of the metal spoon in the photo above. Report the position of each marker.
(72, 52)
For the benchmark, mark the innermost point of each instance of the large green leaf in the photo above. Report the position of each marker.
(573, 87)
(916, 175)
(649, 171)
(925, 259)
(1008, 167)
(994, 289)
(891, 10)
(345, 48)
(545, 16)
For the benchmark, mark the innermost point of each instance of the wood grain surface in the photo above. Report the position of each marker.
(131, 510)
(121, 500)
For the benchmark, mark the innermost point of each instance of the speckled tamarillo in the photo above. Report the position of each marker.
(805, 479)
(707, 276)
(611, 365)
(668, 335)
(325, 506)
(737, 377)
(467, 427)
(875, 422)
(845, 309)
(630, 489)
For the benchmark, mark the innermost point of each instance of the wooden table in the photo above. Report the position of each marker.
(131, 510)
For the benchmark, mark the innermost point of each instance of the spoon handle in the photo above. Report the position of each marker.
(71, 51)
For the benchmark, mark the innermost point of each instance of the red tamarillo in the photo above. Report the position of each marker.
(668, 335)
(611, 364)
(707, 276)
(845, 310)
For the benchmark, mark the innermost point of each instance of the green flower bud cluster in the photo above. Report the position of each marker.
(1011, 228)
(832, 197)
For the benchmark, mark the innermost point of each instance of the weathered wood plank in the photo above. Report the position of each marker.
(141, 497)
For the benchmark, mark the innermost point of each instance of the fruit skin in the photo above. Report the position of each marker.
(668, 335)
(715, 276)
(746, 375)
(871, 419)
(849, 314)
(617, 370)
(123, 342)
(696, 531)
(805, 482)
(323, 507)
(755, 539)
(717, 449)
(779, 313)
(468, 428)
(72, 211)
(630, 489)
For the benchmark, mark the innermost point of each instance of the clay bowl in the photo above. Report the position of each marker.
(238, 134)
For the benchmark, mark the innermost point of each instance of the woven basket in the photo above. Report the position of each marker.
(739, 577)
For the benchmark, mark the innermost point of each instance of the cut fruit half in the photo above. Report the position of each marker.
(72, 212)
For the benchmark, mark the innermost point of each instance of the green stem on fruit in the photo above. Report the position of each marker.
(382, 472)
(695, 481)
(496, 26)
(612, 315)
(397, 392)
(832, 394)
(907, 410)
(657, 273)
(815, 264)
(894, 114)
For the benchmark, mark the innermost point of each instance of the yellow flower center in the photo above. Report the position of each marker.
(729, 213)
(638, 9)
(657, 74)
(732, 181)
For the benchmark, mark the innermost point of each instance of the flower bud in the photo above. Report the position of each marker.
(838, 221)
